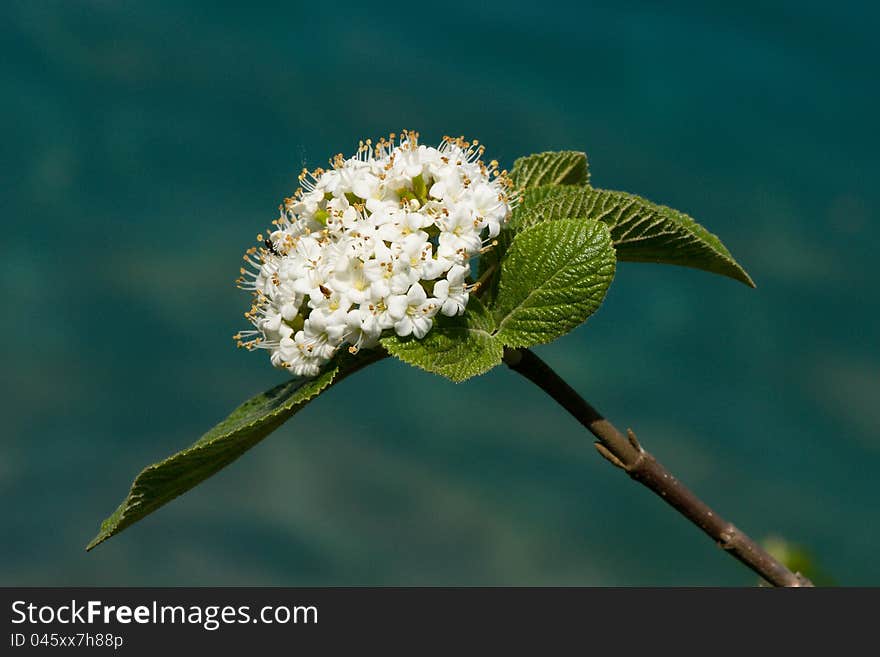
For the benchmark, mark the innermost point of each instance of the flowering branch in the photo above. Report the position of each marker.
(626, 453)
(373, 257)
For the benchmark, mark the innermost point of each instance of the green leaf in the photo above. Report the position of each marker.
(456, 347)
(525, 213)
(554, 277)
(539, 176)
(645, 232)
(522, 217)
(248, 424)
(551, 168)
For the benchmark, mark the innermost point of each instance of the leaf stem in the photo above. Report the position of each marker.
(626, 453)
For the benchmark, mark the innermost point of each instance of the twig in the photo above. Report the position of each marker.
(626, 453)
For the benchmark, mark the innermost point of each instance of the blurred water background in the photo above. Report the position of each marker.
(146, 143)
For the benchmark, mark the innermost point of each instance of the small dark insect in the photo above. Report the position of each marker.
(270, 246)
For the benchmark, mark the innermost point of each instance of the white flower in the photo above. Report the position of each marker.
(488, 208)
(356, 248)
(418, 312)
(388, 310)
(451, 292)
(459, 238)
(362, 330)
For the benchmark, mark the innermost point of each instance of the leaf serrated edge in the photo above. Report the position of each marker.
(524, 178)
(122, 518)
(555, 205)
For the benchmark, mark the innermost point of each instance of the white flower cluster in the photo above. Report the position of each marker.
(382, 241)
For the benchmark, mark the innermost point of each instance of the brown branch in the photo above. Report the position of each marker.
(626, 453)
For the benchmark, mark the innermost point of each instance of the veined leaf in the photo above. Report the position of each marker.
(456, 347)
(532, 199)
(539, 177)
(247, 425)
(522, 217)
(551, 168)
(645, 232)
(554, 277)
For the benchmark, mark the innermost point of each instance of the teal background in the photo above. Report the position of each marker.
(145, 144)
